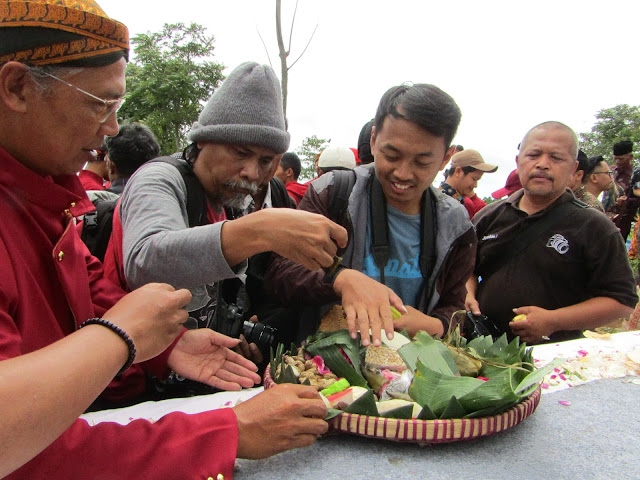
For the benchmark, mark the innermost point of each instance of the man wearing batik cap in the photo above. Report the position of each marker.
(467, 168)
(62, 79)
(620, 201)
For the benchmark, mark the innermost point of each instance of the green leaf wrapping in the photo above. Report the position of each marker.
(435, 389)
(430, 352)
(365, 405)
(328, 347)
(404, 412)
(453, 410)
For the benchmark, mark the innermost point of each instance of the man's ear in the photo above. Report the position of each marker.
(289, 173)
(15, 85)
(447, 156)
(372, 140)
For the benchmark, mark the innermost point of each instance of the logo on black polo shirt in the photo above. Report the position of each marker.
(559, 243)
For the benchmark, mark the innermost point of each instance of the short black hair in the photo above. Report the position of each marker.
(423, 104)
(131, 147)
(592, 163)
(466, 170)
(292, 161)
(364, 143)
(583, 162)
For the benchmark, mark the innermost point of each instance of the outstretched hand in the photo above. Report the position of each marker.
(367, 305)
(205, 356)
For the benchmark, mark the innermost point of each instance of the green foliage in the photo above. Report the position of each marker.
(311, 146)
(169, 81)
(621, 122)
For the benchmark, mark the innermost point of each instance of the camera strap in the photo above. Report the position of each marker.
(380, 230)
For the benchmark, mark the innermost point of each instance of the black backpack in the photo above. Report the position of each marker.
(98, 224)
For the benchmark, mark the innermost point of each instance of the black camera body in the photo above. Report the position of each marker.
(230, 320)
(479, 326)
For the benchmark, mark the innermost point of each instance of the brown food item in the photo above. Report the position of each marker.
(383, 357)
(333, 320)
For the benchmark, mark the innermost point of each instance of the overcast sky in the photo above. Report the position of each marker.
(508, 64)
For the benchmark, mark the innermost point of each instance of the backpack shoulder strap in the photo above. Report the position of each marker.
(379, 227)
(196, 200)
(344, 180)
(97, 226)
(280, 198)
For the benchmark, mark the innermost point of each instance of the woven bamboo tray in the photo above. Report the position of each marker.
(428, 431)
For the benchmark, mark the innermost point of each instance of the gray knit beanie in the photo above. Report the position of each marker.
(246, 109)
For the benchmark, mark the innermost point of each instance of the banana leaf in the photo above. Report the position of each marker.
(365, 405)
(426, 414)
(453, 410)
(332, 412)
(530, 382)
(496, 393)
(434, 389)
(327, 345)
(429, 351)
(405, 412)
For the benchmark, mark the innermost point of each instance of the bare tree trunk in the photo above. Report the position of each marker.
(283, 53)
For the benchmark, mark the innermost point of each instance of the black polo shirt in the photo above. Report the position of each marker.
(581, 257)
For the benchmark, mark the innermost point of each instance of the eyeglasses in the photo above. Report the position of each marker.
(109, 107)
(608, 172)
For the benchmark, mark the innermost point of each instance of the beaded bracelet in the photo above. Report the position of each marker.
(121, 333)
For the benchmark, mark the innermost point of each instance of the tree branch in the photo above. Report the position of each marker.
(293, 20)
(265, 47)
(305, 48)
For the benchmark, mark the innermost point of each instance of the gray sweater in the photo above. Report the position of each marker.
(159, 246)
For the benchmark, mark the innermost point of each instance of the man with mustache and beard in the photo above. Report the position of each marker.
(236, 145)
(543, 254)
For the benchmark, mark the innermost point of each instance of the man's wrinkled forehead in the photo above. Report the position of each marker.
(551, 131)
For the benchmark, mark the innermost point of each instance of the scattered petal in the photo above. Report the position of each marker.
(566, 403)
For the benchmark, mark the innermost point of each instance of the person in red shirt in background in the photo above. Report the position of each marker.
(95, 172)
(288, 171)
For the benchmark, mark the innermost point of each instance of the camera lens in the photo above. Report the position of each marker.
(259, 333)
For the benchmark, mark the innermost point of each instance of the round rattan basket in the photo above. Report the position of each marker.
(428, 431)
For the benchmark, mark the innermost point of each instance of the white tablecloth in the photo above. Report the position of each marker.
(592, 359)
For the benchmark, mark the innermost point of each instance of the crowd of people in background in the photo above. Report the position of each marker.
(147, 276)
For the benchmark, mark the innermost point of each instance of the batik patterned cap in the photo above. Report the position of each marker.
(44, 32)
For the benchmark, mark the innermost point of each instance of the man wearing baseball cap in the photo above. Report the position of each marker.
(512, 185)
(467, 168)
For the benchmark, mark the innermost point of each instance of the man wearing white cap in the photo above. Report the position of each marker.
(335, 157)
